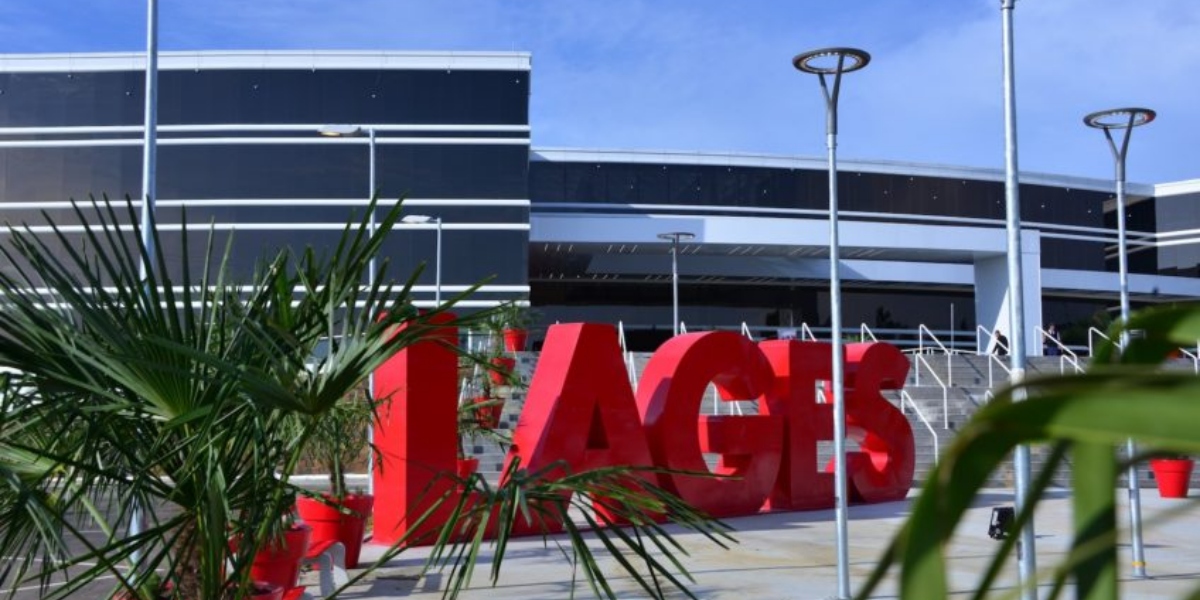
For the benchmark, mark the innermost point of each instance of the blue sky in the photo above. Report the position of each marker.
(716, 75)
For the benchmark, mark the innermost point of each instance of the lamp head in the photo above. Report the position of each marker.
(681, 236)
(1119, 118)
(831, 61)
(340, 130)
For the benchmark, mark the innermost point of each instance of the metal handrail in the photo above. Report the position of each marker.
(806, 333)
(994, 360)
(945, 388)
(921, 331)
(1092, 331)
(630, 366)
(1067, 356)
(746, 331)
(1195, 356)
(937, 451)
(865, 332)
(981, 349)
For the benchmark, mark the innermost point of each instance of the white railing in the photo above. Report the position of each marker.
(746, 331)
(1066, 356)
(981, 347)
(907, 399)
(921, 360)
(1195, 356)
(806, 334)
(627, 355)
(1094, 333)
(865, 333)
(922, 332)
(995, 360)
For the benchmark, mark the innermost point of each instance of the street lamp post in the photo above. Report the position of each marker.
(674, 237)
(149, 188)
(437, 272)
(369, 132)
(1026, 538)
(1125, 119)
(834, 62)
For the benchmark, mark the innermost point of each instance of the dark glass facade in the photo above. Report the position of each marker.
(239, 148)
(257, 96)
(782, 188)
(274, 194)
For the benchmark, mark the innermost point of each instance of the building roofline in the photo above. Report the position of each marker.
(1177, 188)
(263, 59)
(885, 167)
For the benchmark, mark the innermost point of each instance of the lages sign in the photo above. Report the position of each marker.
(581, 410)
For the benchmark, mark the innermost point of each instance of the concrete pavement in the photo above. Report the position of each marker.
(792, 556)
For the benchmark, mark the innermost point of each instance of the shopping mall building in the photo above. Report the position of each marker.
(575, 231)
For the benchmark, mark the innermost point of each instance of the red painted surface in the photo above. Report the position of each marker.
(580, 408)
(332, 525)
(883, 470)
(416, 434)
(581, 414)
(279, 562)
(798, 367)
(670, 395)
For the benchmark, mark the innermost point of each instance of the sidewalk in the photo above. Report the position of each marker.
(792, 556)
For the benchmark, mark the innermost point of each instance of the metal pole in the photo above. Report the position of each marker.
(437, 274)
(674, 237)
(839, 392)
(1126, 119)
(1026, 552)
(952, 327)
(149, 192)
(371, 282)
(675, 284)
(806, 62)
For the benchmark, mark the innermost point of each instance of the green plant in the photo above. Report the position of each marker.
(1124, 394)
(170, 389)
(516, 314)
(179, 392)
(339, 437)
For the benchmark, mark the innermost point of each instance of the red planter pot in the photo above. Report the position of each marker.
(515, 339)
(487, 415)
(279, 562)
(467, 466)
(330, 524)
(1172, 476)
(505, 364)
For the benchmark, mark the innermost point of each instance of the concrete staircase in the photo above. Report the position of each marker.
(947, 391)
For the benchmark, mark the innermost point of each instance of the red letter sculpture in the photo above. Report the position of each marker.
(416, 434)
(670, 395)
(580, 408)
(798, 366)
(883, 470)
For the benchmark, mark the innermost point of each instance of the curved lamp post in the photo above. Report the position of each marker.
(674, 237)
(829, 63)
(1124, 120)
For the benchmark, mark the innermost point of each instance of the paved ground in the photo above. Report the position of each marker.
(792, 556)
